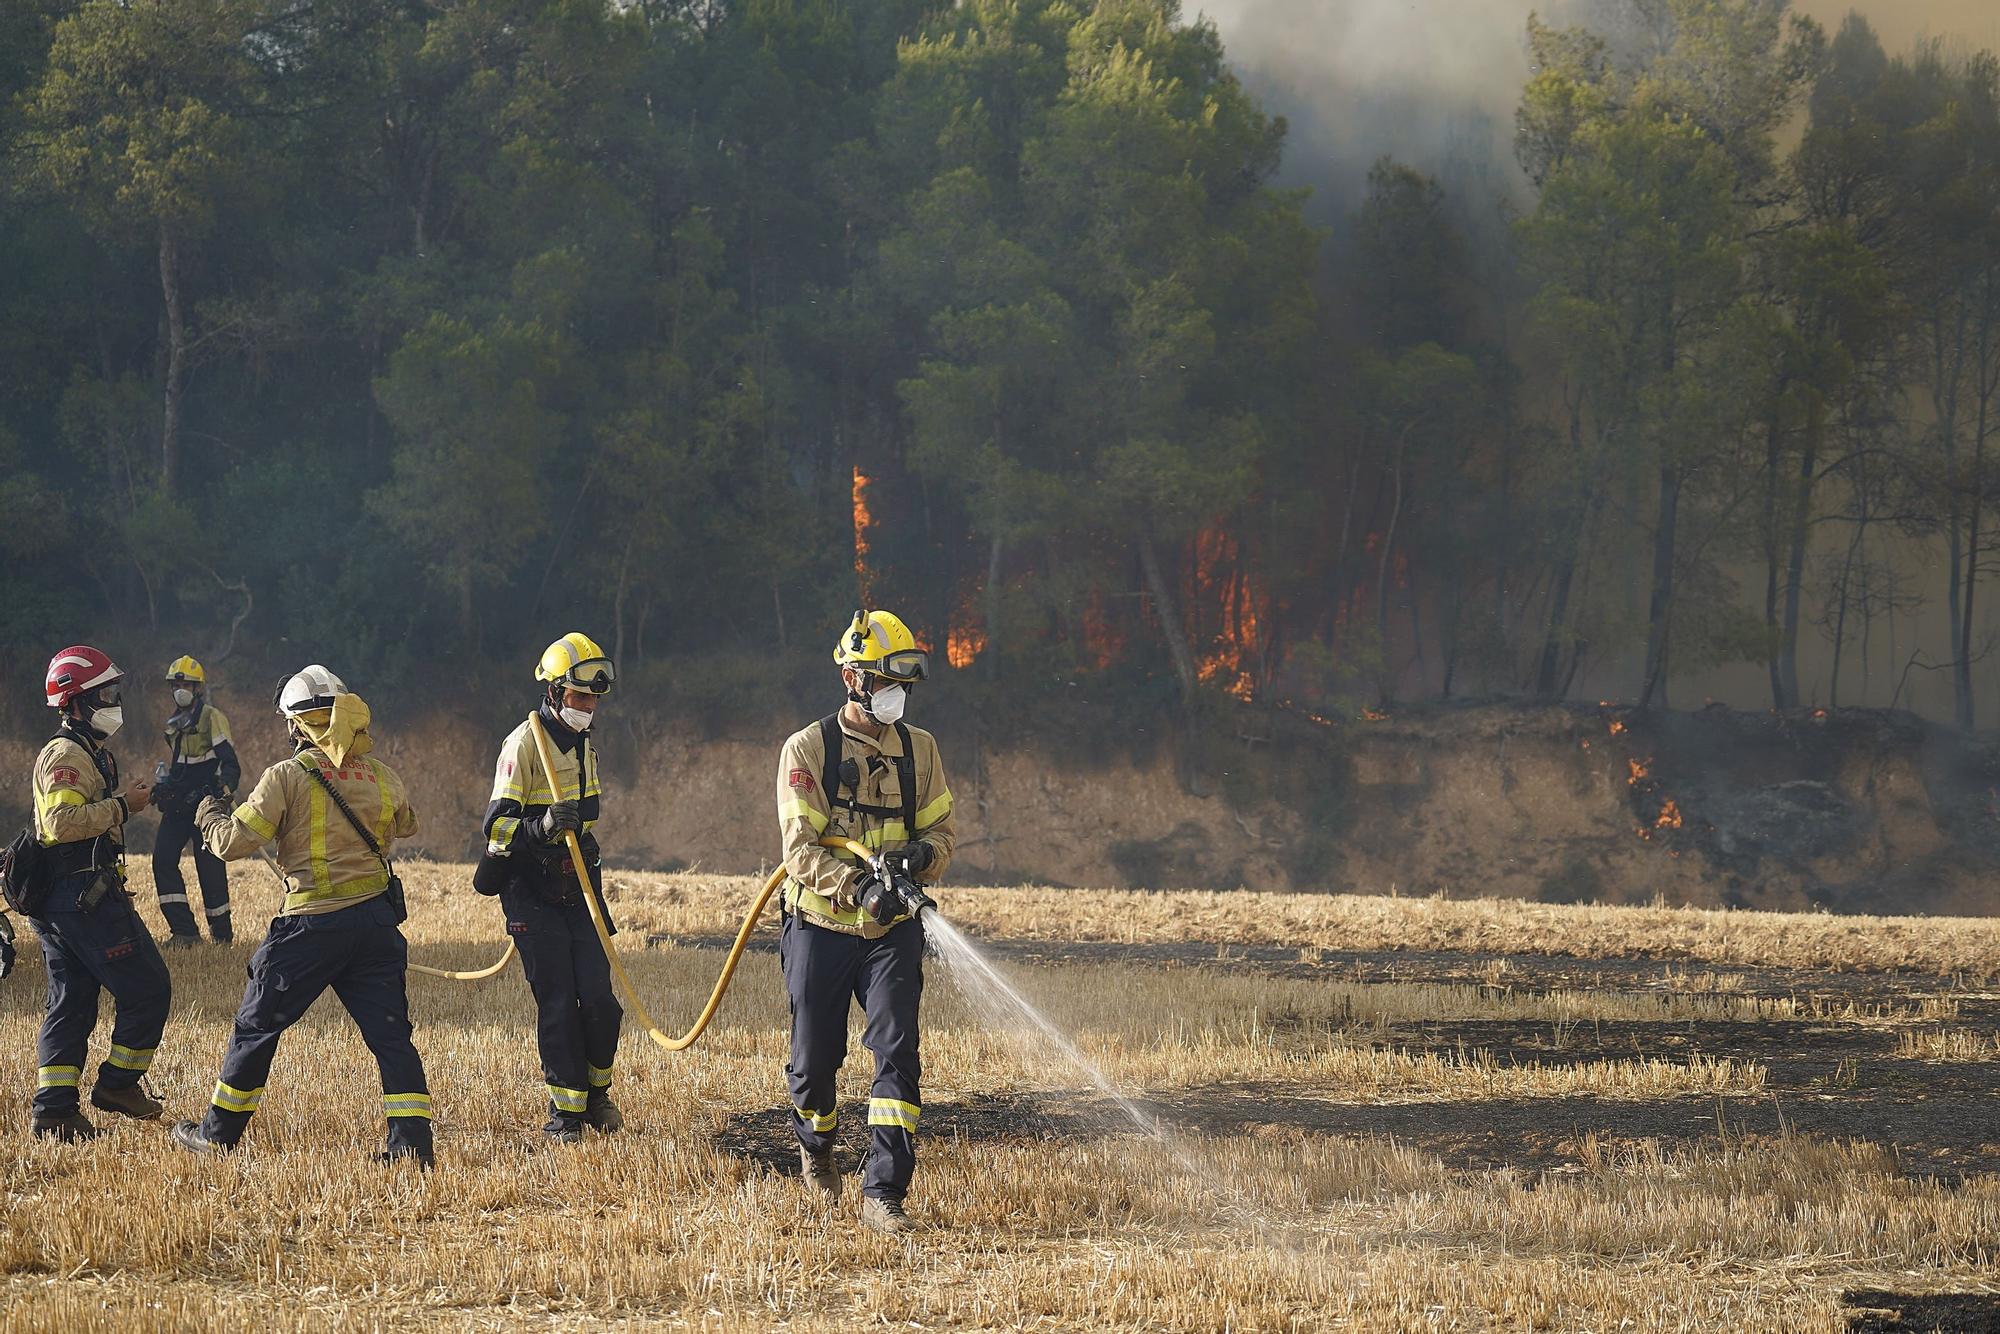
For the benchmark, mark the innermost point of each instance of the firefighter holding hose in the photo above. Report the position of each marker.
(527, 865)
(847, 934)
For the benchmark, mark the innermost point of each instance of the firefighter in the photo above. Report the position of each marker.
(332, 813)
(527, 864)
(862, 773)
(200, 762)
(92, 938)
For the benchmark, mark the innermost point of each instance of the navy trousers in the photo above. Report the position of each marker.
(176, 832)
(87, 951)
(577, 1016)
(825, 972)
(360, 954)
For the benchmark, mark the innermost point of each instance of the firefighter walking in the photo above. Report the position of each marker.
(92, 939)
(332, 813)
(865, 774)
(201, 761)
(527, 865)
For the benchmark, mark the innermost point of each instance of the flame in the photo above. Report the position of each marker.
(1586, 743)
(1670, 816)
(1617, 726)
(1639, 768)
(1217, 572)
(966, 638)
(1103, 641)
(863, 521)
(1819, 715)
(1371, 716)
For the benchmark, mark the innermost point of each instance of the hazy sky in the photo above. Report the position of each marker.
(1435, 81)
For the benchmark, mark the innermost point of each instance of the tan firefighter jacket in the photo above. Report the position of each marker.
(327, 866)
(821, 881)
(74, 801)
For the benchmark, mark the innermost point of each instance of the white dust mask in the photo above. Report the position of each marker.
(887, 703)
(576, 720)
(183, 697)
(107, 721)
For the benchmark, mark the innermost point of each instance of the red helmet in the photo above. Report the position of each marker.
(78, 670)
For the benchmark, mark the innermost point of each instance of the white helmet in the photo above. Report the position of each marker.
(312, 688)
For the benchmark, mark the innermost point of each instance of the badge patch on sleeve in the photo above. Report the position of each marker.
(65, 777)
(800, 781)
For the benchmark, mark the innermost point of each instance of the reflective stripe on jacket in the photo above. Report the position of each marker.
(521, 790)
(193, 740)
(808, 813)
(327, 866)
(73, 800)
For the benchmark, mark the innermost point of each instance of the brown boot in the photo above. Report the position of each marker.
(68, 1128)
(187, 1134)
(132, 1101)
(886, 1216)
(819, 1170)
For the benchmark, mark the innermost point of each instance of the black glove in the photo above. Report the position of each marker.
(6, 945)
(558, 818)
(885, 898)
(912, 859)
(858, 889)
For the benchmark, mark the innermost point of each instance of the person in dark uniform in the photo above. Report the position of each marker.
(864, 774)
(201, 761)
(527, 864)
(331, 811)
(92, 938)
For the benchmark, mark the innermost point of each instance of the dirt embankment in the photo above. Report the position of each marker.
(1851, 812)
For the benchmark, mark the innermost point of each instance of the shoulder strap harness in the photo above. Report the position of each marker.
(837, 776)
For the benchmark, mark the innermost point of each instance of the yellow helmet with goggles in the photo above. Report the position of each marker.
(575, 662)
(879, 642)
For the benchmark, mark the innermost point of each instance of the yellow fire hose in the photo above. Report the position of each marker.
(653, 1031)
(469, 975)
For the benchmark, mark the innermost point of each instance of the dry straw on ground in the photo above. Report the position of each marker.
(1055, 1212)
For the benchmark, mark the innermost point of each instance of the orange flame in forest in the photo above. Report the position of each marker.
(1103, 641)
(862, 523)
(966, 639)
(1617, 726)
(1216, 569)
(1670, 816)
(1639, 768)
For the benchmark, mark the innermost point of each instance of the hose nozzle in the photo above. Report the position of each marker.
(891, 894)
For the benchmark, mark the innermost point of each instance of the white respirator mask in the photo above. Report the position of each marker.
(183, 696)
(887, 703)
(576, 720)
(105, 722)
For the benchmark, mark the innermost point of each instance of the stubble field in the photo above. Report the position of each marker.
(1388, 1114)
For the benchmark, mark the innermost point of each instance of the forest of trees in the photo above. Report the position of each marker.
(431, 328)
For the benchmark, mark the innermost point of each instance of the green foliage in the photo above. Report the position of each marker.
(444, 329)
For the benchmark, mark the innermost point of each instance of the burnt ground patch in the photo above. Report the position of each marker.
(1870, 1311)
(1642, 974)
(1824, 1077)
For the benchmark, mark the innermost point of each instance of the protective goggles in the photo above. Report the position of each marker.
(907, 666)
(593, 677)
(107, 696)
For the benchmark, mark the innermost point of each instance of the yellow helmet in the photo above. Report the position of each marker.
(879, 642)
(187, 669)
(575, 662)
